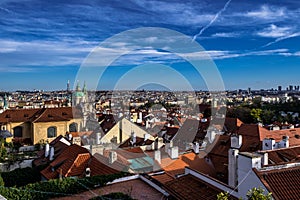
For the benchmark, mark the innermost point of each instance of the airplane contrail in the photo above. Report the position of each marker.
(213, 20)
(281, 38)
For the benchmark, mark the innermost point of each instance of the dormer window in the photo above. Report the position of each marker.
(7, 116)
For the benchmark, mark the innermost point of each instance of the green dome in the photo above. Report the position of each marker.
(79, 94)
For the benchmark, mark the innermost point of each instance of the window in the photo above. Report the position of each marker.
(18, 132)
(51, 132)
(73, 127)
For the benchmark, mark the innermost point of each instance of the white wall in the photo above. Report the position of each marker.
(247, 179)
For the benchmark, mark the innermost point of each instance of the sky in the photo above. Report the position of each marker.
(253, 43)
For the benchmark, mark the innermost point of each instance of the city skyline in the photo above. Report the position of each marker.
(253, 43)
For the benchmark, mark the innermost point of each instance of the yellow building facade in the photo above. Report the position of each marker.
(36, 125)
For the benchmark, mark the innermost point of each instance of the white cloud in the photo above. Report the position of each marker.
(274, 31)
(267, 12)
(226, 35)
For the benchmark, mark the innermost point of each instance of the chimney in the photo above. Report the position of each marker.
(232, 167)
(268, 144)
(133, 138)
(196, 147)
(51, 157)
(284, 143)
(70, 137)
(98, 136)
(168, 145)
(140, 119)
(160, 142)
(47, 150)
(173, 152)
(146, 137)
(245, 163)
(87, 172)
(211, 135)
(236, 141)
(147, 124)
(112, 157)
(157, 156)
(265, 159)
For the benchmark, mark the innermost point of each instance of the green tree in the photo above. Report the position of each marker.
(267, 116)
(256, 114)
(1, 181)
(258, 194)
(223, 196)
(252, 194)
(256, 102)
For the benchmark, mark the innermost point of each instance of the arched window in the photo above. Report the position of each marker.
(18, 131)
(51, 132)
(73, 127)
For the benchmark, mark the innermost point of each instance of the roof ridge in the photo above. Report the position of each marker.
(40, 113)
(77, 157)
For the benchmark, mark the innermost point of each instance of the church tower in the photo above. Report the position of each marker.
(5, 106)
(78, 95)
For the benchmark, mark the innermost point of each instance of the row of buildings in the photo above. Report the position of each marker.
(173, 153)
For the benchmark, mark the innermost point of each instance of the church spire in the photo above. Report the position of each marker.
(5, 106)
(77, 86)
(84, 90)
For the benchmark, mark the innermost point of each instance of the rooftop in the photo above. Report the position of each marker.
(283, 183)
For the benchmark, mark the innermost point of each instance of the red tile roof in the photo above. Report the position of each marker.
(175, 167)
(254, 134)
(189, 187)
(282, 183)
(72, 161)
(40, 115)
(280, 156)
(82, 133)
(107, 122)
(58, 114)
(100, 165)
(294, 135)
(163, 178)
(218, 156)
(17, 115)
(59, 147)
(139, 142)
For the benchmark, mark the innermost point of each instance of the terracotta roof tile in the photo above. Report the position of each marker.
(17, 115)
(65, 162)
(100, 165)
(40, 115)
(79, 165)
(283, 183)
(107, 122)
(175, 167)
(190, 187)
(163, 178)
(59, 147)
(139, 142)
(57, 114)
(279, 156)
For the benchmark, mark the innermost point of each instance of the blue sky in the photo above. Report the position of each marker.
(254, 43)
